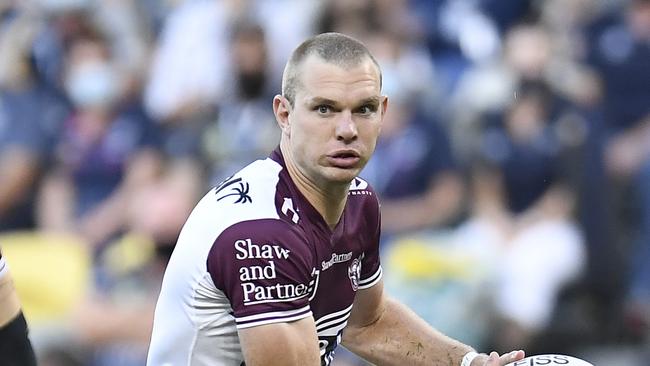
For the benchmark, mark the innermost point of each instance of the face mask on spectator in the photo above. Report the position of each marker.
(92, 84)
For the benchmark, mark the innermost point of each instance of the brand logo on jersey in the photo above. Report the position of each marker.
(257, 294)
(287, 207)
(336, 258)
(238, 188)
(359, 186)
(354, 272)
(257, 280)
(247, 249)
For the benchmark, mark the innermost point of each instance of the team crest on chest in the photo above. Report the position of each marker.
(354, 272)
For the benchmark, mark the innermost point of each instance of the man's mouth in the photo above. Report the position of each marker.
(345, 159)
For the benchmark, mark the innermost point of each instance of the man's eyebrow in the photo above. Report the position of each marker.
(321, 100)
(372, 100)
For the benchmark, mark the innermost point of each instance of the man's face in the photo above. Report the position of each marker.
(332, 129)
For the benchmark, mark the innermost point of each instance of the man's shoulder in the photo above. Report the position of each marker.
(244, 197)
(262, 232)
(253, 185)
(249, 199)
(258, 170)
(257, 243)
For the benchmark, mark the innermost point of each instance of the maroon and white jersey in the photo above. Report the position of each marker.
(254, 251)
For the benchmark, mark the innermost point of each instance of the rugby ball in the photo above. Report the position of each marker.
(550, 360)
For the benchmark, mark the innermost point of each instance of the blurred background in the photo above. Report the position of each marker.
(513, 166)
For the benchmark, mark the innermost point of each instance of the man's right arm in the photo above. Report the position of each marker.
(292, 343)
(265, 270)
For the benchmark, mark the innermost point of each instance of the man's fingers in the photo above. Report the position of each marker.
(511, 357)
(493, 360)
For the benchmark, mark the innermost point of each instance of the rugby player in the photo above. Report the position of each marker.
(279, 264)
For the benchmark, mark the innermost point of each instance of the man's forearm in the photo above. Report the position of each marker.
(400, 337)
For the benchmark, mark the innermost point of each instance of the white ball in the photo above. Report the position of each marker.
(550, 360)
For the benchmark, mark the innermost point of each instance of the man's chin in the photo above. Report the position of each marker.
(341, 175)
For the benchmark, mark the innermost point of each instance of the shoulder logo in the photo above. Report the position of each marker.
(354, 272)
(238, 188)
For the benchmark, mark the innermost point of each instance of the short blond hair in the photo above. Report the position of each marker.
(335, 48)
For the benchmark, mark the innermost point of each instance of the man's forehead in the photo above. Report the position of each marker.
(313, 64)
(319, 76)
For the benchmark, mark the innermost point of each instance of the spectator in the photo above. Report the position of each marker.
(413, 169)
(245, 127)
(284, 30)
(108, 178)
(414, 172)
(522, 208)
(620, 51)
(31, 113)
(105, 152)
(181, 87)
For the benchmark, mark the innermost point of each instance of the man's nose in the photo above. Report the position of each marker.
(346, 128)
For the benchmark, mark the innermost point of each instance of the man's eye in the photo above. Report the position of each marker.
(323, 109)
(366, 109)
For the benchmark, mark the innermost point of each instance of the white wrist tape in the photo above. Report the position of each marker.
(468, 358)
(4, 267)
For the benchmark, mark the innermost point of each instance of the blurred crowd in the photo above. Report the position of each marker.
(513, 166)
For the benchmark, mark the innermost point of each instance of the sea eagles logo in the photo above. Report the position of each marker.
(354, 272)
(240, 190)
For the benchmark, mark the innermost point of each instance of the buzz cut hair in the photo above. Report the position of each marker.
(334, 48)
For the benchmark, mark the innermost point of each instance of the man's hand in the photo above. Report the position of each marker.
(495, 360)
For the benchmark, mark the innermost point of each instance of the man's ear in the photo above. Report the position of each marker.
(384, 106)
(281, 109)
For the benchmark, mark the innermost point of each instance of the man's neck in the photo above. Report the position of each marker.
(328, 199)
